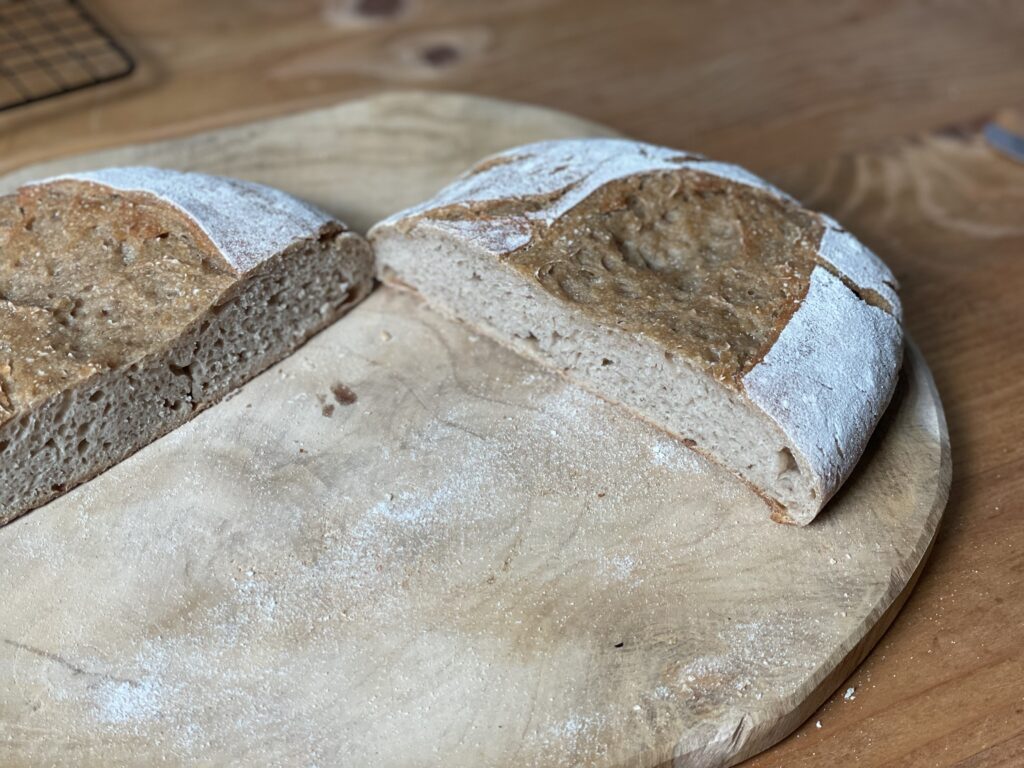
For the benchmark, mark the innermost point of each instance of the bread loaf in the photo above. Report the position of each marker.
(131, 298)
(711, 303)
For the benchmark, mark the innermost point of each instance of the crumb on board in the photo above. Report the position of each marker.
(343, 395)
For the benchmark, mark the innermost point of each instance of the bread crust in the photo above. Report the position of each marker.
(183, 285)
(831, 358)
(245, 223)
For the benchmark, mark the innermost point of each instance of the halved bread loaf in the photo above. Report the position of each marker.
(712, 304)
(131, 298)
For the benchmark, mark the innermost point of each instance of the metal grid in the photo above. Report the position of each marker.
(51, 47)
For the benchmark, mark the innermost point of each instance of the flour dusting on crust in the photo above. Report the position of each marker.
(570, 169)
(820, 387)
(829, 376)
(735, 173)
(561, 174)
(248, 223)
(851, 257)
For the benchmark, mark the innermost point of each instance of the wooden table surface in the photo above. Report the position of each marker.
(868, 110)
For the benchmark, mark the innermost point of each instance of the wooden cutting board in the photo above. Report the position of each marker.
(474, 563)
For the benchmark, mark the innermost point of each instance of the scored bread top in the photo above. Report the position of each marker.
(829, 376)
(99, 269)
(503, 202)
(716, 265)
(246, 222)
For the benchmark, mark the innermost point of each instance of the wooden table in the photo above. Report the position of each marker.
(870, 111)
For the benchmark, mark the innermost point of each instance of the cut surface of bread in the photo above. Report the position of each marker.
(712, 304)
(131, 298)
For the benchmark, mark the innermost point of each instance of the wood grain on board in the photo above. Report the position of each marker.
(471, 558)
(805, 78)
(946, 684)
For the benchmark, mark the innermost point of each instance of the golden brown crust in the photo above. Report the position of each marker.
(144, 215)
(695, 260)
(91, 281)
(711, 270)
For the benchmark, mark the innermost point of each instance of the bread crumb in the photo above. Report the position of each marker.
(818, 724)
(850, 694)
(343, 395)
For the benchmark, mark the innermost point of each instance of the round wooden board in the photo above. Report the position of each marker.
(474, 564)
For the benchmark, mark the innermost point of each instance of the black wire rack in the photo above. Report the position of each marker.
(52, 47)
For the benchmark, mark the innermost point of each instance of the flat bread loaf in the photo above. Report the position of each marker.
(709, 302)
(131, 298)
